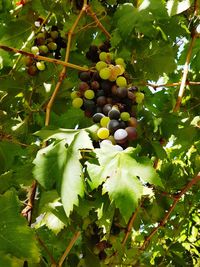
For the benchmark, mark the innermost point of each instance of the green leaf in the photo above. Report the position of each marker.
(16, 238)
(175, 7)
(9, 261)
(123, 174)
(72, 184)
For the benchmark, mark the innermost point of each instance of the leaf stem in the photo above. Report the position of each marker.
(69, 247)
(167, 215)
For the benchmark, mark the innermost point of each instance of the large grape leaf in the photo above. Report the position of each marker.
(16, 238)
(123, 175)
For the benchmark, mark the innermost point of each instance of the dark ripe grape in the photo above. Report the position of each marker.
(84, 76)
(99, 109)
(105, 46)
(132, 133)
(40, 41)
(28, 61)
(114, 89)
(107, 108)
(95, 85)
(121, 92)
(114, 114)
(88, 105)
(133, 89)
(57, 55)
(83, 86)
(96, 77)
(109, 100)
(113, 125)
(122, 124)
(101, 101)
(100, 93)
(61, 42)
(93, 54)
(131, 95)
(127, 103)
(132, 122)
(102, 255)
(106, 85)
(120, 136)
(97, 117)
(32, 70)
(54, 28)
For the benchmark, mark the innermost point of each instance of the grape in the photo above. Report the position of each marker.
(105, 46)
(125, 116)
(101, 101)
(100, 93)
(122, 124)
(114, 114)
(101, 65)
(103, 133)
(121, 92)
(89, 94)
(41, 35)
(99, 109)
(131, 95)
(106, 86)
(113, 125)
(84, 76)
(97, 117)
(74, 94)
(121, 81)
(109, 100)
(120, 136)
(96, 77)
(32, 70)
(92, 54)
(139, 97)
(105, 73)
(40, 41)
(107, 108)
(119, 61)
(34, 50)
(43, 49)
(40, 65)
(103, 56)
(132, 122)
(132, 133)
(54, 34)
(120, 69)
(89, 105)
(77, 102)
(83, 86)
(133, 89)
(104, 121)
(114, 89)
(95, 85)
(52, 46)
(28, 61)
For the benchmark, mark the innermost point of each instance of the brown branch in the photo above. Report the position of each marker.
(155, 86)
(99, 24)
(167, 215)
(53, 262)
(130, 225)
(11, 139)
(69, 247)
(47, 59)
(63, 72)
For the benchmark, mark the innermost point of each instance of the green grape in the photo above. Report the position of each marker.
(74, 94)
(77, 102)
(41, 35)
(119, 69)
(34, 50)
(104, 121)
(54, 34)
(52, 46)
(103, 133)
(89, 94)
(125, 116)
(120, 61)
(101, 65)
(43, 49)
(121, 81)
(105, 73)
(139, 97)
(40, 65)
(103, 56)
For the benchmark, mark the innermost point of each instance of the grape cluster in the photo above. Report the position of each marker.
(46, 43)
(104, 95)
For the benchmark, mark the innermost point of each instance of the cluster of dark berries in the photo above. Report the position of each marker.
(104, 95)
(46, 43)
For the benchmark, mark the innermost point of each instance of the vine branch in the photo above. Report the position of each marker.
(167, 215)
(155, 86)
(69, 247)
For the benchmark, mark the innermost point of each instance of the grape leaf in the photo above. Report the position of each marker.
(175, 6)
(16, 238)
(123, 174)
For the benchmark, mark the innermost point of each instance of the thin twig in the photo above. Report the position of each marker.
(155, 86)
(99, 24)
(167, 215)
(69, 247)
(48, 59)
(53, 262)
(11, 139)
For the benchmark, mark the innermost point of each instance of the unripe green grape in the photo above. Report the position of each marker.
(74, 94)
(54, 34)
(89, 94)
(105, 73)
(103, 56)
(120, 61)
(40, 65)
(43, 49)
(104, 121)
(77, 102)
(101, 65)
(52, 46)
(139, 97)
(40, 35)
(121, 81)
(34, 50)
(103, 133)
(125, 116)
